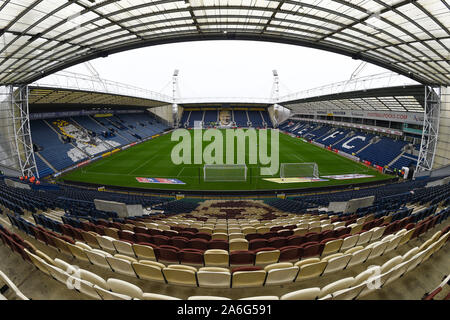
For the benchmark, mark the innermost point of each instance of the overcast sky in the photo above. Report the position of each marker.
(227, 68)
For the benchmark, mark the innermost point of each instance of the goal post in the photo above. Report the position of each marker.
(299, 170)
(224, 172)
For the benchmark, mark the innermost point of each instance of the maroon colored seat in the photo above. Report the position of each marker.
(409, 226)
(277, 242)
(167, 253)
(269, 235)
(67, 239)
(170, 233)
(77, 234)
(310, 250)
(285, 233)
(328, 234)
(256, 244)
(191, 256)
(193, 230)
(179, 242)
(40, 235)
(155, 232)
(291, 227)
(116, 225)
(245, 269)
(99, 229)
(289, 253)
(50, 240)
(143, 237)
(295, 240)
(197, 243)
(202, 235)
(138, 229)
(277, 228)
(103, 223)
(124, 235)
(254, 236)
(160, 240)
(342, 231)
(312, 236)
(218, 244)
(242, 257)
(187, 234)
(67, 231)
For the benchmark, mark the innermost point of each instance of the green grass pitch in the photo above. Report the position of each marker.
(152, 159)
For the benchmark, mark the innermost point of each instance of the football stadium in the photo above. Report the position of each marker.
(110, 191)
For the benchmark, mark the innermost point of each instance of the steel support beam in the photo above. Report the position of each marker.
(430, 130)
(22, 132)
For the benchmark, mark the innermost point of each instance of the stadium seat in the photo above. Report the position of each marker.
(280, 273)
(248, 277)
(180, 275)
(149, 270)
(214, 277)
(303, 294)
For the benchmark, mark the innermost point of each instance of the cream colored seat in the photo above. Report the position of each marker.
(149, 270)
(411, 253)
(261, 298)
(267, 257)
(303, 294)
(125, 288)
(337, 285)
(38, 262)
(312, 270)
(356, 228)
(359, 257)
(214, 277)
(78, 252)
(388, 265)
(393, 244)
(364, 238)
(378, 249)
(155, 296)
(58, 273)
(300, 231)
(121, 265)
(91, 239)
(232, 236)
(106, 243)
(238, 245)
(108, 295)
(377, 233)
(98, 258)
(348, 293)
(180, 275)
(123, 247)
(207, 298)
(242, 279)
(85, 287)
(216, 258)
(144, 252)
(219, 236)
(332, 247)
(349, 242)
(280, 273)
(337, 263)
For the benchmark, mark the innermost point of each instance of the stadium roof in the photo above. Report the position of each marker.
(59, 97)
(399, 99)
(39, 37)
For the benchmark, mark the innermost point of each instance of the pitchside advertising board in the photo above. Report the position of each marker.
(405, 117)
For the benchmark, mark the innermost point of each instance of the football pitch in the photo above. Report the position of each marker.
(152, 161)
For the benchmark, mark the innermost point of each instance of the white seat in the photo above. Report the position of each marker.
(364, 237)
(303, 294)
(106, 243)
(207, 298)
(87, 288)
(125, 288)
(337, 263)
(359, 257)
(378, 249)
(214, 277)
(108, 295)
(349, 293)
(393, 243)
(98, 258)
(121, 266)
(337, 285)
(377, 233)
(123, 247)
(281, 275)
(349, 242)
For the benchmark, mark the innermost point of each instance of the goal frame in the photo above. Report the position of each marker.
(315, 170)
(225, 167)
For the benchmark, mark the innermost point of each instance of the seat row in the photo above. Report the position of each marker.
(375, 277)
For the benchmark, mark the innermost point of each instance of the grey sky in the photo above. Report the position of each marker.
(227, 68)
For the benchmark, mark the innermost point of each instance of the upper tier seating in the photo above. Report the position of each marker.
(60, 155)
(383, 151)
(90, 124)
(240, 118)
(255, 118)
(354, 143)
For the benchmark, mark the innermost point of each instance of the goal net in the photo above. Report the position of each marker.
(224, 172)
(299, 170)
